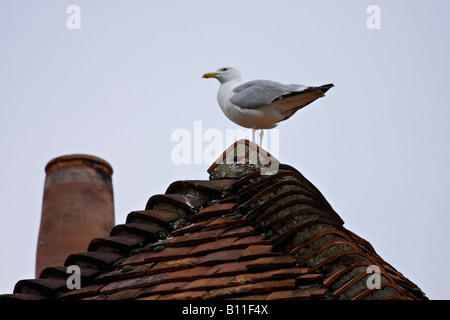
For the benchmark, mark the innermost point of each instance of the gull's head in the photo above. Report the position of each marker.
(225, 74)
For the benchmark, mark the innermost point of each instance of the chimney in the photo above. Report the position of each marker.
(77, 206)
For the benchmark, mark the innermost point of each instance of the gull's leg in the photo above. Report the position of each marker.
(261, 135)
(253, 132)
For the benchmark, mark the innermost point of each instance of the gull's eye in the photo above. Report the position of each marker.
(224, 69)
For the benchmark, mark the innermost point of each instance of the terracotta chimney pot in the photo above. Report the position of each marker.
(77, 206)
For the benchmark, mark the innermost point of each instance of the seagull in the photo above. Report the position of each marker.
(261, 104)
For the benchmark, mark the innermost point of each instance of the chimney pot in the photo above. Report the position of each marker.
(77, 206)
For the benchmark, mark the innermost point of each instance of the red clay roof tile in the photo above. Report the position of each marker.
(230, 268)
(95, 259)
(187, 274)
(133, 283)
(195, 238)
(119, 244)
(215, 210)
(298, 294)
(160, 217)
(189, 228)
(125, 272)
(250, 289)
(125, 294)
(185, 295)
(251, 240)
(272, 262)
(239, 232)
(209, 283)
(45, 287)
(169, 253)
(169, 287)
(136, 229)
(82, 292)
(187, 204)
(220, 257)
(201, 188)
(212, 246)
(173, 265)
(259, 250)
(227, 221)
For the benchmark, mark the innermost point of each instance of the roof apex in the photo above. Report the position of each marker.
(241, 158)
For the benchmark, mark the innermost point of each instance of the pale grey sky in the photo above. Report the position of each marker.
(377, 146)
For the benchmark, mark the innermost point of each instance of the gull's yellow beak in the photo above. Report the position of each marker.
(209, 75)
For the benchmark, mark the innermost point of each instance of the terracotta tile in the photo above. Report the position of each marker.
(309, 278)
(125, 294)
(221, 257)
(259, 250)
(319, 293)
(135, 259)
(82, 292)
(97, 297)
(125, 272)
(250, 297)
(251, 240)
(173, 265)
(152, 297)
(228, 221)
(208, 247)
(209, 283)
(149, 231)
(296, 294)
(189, 228)
(133, 283)
(250, 289)
(95, 259)
(195, 238)
(246, 278)
(160, 217)
(87, 274)
(272, 262)
(186, 203)
(186, 274)
(232, 198)
(169, 287)
(45, 287)
(214, 211)
(288, 273)
(231, 268)
(270, 286)
(169, 253)
(213, 188)
(188, 295)
(227, 292)
(239, 232)
(299, 294)
(118, 244)
(20, 296)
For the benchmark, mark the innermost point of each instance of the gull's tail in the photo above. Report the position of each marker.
(292, 102)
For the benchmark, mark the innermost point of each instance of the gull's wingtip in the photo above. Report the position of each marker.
(326, 87)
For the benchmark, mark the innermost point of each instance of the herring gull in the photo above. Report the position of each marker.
(261, 104)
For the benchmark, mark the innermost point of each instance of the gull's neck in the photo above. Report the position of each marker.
(230, 84)
(225, 92)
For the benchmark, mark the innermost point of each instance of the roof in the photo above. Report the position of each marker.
(237, 235)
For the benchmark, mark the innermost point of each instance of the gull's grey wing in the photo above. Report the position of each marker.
(257, 93)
